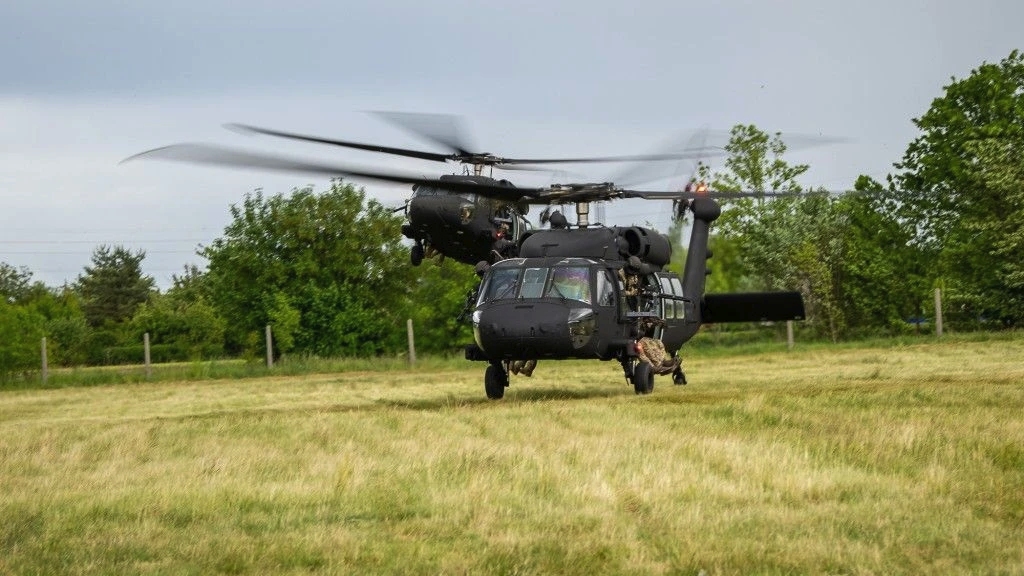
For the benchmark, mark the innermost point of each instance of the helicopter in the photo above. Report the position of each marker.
(467, 217)
(606, 293)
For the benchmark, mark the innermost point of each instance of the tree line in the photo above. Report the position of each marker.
(329, 270)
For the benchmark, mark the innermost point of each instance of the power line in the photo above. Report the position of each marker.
(59, 252)
(155, 241)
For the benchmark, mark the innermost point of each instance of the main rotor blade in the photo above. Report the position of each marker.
(448, 131)
(722, 195)
(433, 156)
(706, 144)
(442, 129)
(235, 158)
(692, 154)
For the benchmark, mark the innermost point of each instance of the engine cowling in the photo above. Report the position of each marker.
(646, 244)
(612, 243)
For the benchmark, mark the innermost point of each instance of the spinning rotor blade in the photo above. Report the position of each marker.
(705, 144)
(433, 156)
(692, 146)
(694, 154)
(449, 131)
(717, 195)
(597, 192)
(446, 131)
(557, 193)
(235, 158)
(442, 129)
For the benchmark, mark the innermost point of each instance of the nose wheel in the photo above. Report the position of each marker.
(416, 254)
(495, 381)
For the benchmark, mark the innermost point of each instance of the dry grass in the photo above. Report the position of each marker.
(882, 460)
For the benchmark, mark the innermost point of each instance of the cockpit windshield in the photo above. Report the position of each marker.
(572, 282)
(422, 191)
(568, 282)
(500, 285)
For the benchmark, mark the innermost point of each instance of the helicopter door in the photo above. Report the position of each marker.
(672, 308)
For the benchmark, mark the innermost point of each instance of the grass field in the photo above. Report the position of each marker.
(897, 459)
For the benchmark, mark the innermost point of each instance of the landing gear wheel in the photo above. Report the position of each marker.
(643, 378)
(416, 254)
(495, 381)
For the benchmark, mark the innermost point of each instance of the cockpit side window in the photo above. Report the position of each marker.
(572, 282)
(605, 289)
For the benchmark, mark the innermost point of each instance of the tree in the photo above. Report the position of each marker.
(958, 191)
(327, 269)
(755, 164)
(114, 286)
(787, 243)
(438, 297)
(995, 285)
(21, 333)
(883, 275)
(182, 324)
(192, 284)
(66, 330)
(14, 282)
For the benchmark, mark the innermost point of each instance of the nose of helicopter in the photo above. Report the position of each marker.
(522, 330)
(445, 210)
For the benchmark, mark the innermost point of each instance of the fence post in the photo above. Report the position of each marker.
(789, 334)
(412, 342)
(46, 367)
(938, 312)
(145, 350)
(270, 348)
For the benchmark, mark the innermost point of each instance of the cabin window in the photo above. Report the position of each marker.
(668, 306)
(677, 289)
(572, 282)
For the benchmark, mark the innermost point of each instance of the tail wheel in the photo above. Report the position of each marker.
(495, 381)
(643, 378)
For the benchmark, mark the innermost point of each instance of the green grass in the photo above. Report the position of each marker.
(709, 343)
(217, 370)
(894, 459)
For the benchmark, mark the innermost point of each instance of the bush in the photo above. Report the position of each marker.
(21, 333)
(158, 353)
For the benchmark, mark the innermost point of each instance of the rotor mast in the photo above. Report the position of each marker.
(583, 214)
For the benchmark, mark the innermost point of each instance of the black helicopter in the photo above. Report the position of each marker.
(605, 293)
(466, 217)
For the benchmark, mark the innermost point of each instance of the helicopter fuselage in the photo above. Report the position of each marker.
(560, 308)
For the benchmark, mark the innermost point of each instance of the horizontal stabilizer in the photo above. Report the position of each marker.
(752, 307)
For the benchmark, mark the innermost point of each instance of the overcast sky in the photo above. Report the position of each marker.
(84, 85)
